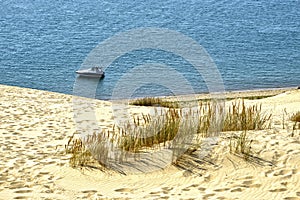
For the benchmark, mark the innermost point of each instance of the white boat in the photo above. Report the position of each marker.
(95, 72)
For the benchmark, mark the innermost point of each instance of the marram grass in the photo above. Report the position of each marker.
(241, 145)
(154, 132)
(240, 117)
(150, 132)
(80, 155)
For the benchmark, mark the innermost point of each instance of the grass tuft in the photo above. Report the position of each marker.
(241, 145)
(152, 132)
(80, 155)
(296, 117)
(154, 101)
(240, 117)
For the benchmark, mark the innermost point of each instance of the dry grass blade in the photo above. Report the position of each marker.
(156, 131)
(81, 156)
(239, 117)
(241, 145)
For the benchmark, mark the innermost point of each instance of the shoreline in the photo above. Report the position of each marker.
(227, 95)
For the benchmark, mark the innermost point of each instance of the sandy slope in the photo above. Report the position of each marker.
(35, 126)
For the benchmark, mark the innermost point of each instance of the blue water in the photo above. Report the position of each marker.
(254, 44)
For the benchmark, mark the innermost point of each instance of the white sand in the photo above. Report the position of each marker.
(35, 126)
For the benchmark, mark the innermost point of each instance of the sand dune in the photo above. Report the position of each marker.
(35, 125)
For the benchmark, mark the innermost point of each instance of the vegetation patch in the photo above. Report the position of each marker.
(151, 132)
(240, 117)
(80, 155)
(154, 101)
(241, 145)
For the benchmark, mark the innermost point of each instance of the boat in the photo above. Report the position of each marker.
(95, 72)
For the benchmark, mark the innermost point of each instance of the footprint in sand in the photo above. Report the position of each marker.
(268, 172)
(281, 172)
(295, 171)
(186, 189)
(250, 184)
(155, 193)
(236, 190)
(222, 198)
(124, 190)
(21, 197)
(291, 198)
(222, 189)
(166, 190)
(278, 190)
(23, 191)
(89, 191)
(208, 195)
(201, 189)
(164, 197)
(16, 185)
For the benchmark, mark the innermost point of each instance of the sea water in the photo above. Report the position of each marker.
(254, 44)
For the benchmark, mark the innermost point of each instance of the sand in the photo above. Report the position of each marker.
(35, 125)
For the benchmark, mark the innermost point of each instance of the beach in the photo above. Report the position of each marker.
(36, 125)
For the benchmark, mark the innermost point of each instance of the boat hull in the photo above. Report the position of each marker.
(92, 75)
(94, 72)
